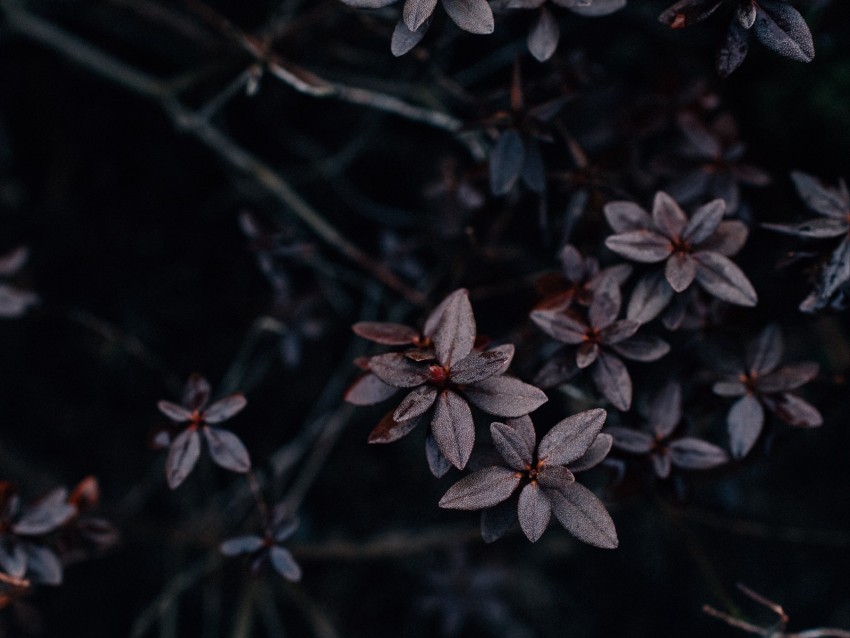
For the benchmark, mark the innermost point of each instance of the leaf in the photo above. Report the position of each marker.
(196, 394)
(651, 295)
(644, 348)
(416, 403)
(795, 411)
(612, 380)
(543, 36)
(225, 408)
(721, 278)
(744, 422)
(619, 331)
(43, 566)
(473, 16)
(454, 334)
(728, 239)
(13, 261)
(534, 511)
(388, 334)
(515, 441)
(44, 517)
(661, 463)
(437, 463)
(416, 12)
(13, 558)
(701, 138)
(176, 413)
(587, 354)
(595, 454)
(570, 438)
(780, 27)
(482, 489)
(584, 516)
(182, 456)
(814, 228)
(694, 454)
(704, 222)
(453, 428)
(389, 430)
(764, 352)
(734, 49)
(746, 13)
(227, 450)
(506, 159)
(247, 544)
(368, 4)
(729, 388)
(284, 564)
(403, 39)
(559, 369)
(631, 441)
(368, 389)
(593, 8)
(680, 271)
(687, 12)
(825, 201)
(665, 411)
(605, 305)
(560, 325)
(667, 216)
(394, 369)
(624, 217)
(496, 521)
(837, 271)
(787, 377)
(505, 396)
(478, 366)
(644, 246)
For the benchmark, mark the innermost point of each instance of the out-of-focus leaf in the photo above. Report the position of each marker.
(728, 239)
(544, 35)
(389, 334)
(284, 564)
(695, 454)
(624, 217)
(745, 422)
(642, 348)
(629, 440)
(612, 380)
(704, 222)
(368, 389)
(651, 295)
(787, 377)
(795, 411)
(560, 325)
(227, 450)
(225, 408)
(506, 161)
(680, 271)
(43, 565)
(665, 411)
(764, 352)
(587, 354)
(174, 412)
(644, 246)
(497, 520)
(241, 545)
(687, 12)
(182, 456)
(667, 216)
(437, 463)
(734, 49)
(825, 201)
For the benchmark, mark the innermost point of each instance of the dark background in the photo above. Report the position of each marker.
(145, 277)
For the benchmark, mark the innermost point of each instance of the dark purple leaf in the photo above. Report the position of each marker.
(454, 334)
(593, 8)
(764, 353)
(694, 454)
(174, 412)
(416, 403)
(43, 565)
(506, 159)
(368, 389)
(624, 217)
(389, 334)
(795, 411)
(284, 564)
(661, 464)
(667, 216)
(642, 348)
(437, 463)
(227, 450)
(225, 408)
(644, 246)
(734, 49)
(478, 366)
(197, 392)
(544, 35)
(416, 12)
(704, 222)
(403, 39)
(584, 516)
(680, 271)
(824, 201)
(595, 454)
(665, 411)
(814, 228)
(554, 477)
(836, 272)
(745, 421)
(474, 16)
(787, 377)
(13, 261)
(389, 430)
(505, 396)
(687, 12)
(560, 325)
(650, 296)
(508, 350)
(453, 428)
(368, 4)
(605, 305)
(746, 13)
(728, 239)
(632, 441)
(534, 511)
(587, 354)
(496, 521)
(702, 139)
(398, 371)
(559, 369)
(780, 27)
(182, 456)
(723, 279)
(571, 437)
(729, 388)
(45, 516)
(481, 489)
(612, 380)
(515, 441)
(619, 331)
(13, 558)
(241, 545)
